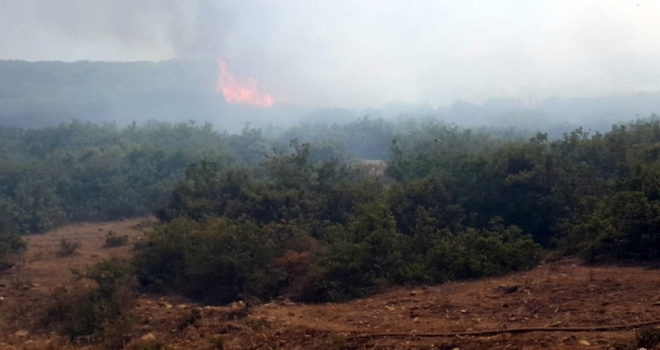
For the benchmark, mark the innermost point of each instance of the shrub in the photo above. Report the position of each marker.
(364, 255)
(623, 225)
(217, 261)
(67, 247)
(9, 244)
(100, 308)
(112, 240)
(481, 253)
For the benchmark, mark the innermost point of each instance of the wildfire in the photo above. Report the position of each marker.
(241, 90)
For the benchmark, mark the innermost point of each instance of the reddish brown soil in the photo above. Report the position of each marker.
(559, 294)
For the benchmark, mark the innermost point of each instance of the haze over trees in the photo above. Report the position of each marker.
(40, 94)
(291, 213)
(321, 152)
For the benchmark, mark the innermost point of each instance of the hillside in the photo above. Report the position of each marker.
(565, 293)
(41, 94)
(48, 93)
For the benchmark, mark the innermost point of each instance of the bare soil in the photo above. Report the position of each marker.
(565, 293)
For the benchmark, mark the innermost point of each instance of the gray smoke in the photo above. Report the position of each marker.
(363, 53)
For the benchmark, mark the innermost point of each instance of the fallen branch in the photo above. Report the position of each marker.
(508, 330)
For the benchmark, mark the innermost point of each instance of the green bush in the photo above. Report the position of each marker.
(67, 247)
(623, 225)
(9, 244)
(105, 308)
(482, 253)
(364, 255)
(216, 261)
(316, 232)
(112, 240)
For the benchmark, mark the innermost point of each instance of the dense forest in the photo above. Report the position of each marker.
(267, 213)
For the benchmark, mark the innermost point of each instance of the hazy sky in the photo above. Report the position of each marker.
(354, 53)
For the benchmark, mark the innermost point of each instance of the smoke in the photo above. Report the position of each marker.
(363, 53)
(114, 30)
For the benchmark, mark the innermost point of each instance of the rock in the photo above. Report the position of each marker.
(22, 333)
(55, 341)
(30, 345)
(568, 339)
(2, 300)
(657, 303)
(148, 337)
(508, 289)
(584, 342)
(165, 305)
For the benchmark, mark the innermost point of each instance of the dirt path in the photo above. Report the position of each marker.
(559, 294)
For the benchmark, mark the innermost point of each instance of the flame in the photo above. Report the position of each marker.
(241, 90)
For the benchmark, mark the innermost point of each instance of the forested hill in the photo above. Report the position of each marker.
(43, 94)
(38, 94)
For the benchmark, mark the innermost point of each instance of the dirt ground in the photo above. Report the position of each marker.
(565, 293)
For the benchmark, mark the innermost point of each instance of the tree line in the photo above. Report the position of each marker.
(289, 214)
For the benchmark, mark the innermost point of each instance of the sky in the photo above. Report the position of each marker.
(363, 53)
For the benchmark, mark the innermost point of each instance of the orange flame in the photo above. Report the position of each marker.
(241, 90)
